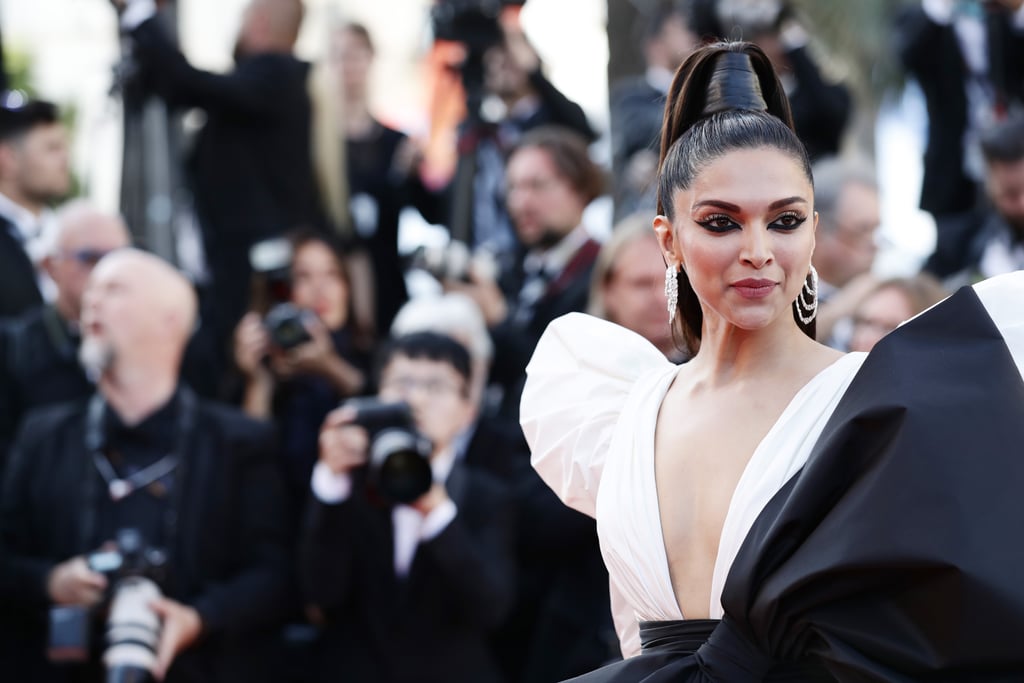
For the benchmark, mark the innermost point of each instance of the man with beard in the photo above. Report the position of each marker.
(33, 173)
(39, 365)
(251, 170)
(193, 479)
(550, 180)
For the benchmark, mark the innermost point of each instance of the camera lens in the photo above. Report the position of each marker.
(401, 465)
(133, 631)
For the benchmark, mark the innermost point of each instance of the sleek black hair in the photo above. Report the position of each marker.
(19, 115)
(425, 346)
(726, 96)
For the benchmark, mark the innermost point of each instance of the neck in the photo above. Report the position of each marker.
(67, 310)
(728, 352)
(134, 394)
(356, 118)
(21, 199)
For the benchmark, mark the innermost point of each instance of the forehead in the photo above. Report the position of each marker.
(1006, 172)
(403, 364)
(749, 178)
(531, 161)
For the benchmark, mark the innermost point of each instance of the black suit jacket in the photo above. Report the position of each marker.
(19, 289)
(931, 53)
(38, 366)
(560, 625)
(432, 625)
(229, 560)
(515, 341)
(251, 169)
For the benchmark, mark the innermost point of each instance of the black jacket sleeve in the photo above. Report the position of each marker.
(251, 89)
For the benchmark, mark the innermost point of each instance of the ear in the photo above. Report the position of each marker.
(47, 265)
(667, 241)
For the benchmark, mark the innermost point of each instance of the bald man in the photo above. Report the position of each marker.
(195, 480)
(38, 350)
(251, 170)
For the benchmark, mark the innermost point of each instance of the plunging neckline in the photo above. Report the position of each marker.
(783, 418)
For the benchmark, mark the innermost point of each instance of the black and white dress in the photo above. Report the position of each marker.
(871, 535)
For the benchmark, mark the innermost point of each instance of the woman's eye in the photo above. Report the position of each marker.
(718, 223)
(789, 221)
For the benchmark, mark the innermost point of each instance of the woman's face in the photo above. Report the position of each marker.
(744, 233)
(352, 59)
(319, 285)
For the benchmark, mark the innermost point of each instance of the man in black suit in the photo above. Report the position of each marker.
(251, 170)
(410, 592)
(550, 181)
(194, 479)
(39, 365)
(33, 173)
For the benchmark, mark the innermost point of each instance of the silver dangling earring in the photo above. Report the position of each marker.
(806, 310)
(672, 291)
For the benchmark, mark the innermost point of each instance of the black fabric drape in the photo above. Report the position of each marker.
(893, 554)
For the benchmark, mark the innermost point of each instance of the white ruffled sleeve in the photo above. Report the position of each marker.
(577, 383)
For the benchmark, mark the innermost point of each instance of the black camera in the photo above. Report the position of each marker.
(399, 462)
(454, 261)
(286, 325)
(132, 634)
(471, 22)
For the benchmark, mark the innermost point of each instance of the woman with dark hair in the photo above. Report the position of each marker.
(297, 376)
(773, 509)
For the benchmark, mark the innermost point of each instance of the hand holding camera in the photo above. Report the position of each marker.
(382, 436)
(72, 582)
(181, 628)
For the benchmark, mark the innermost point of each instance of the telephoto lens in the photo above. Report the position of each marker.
(133, 632)
(399, 462)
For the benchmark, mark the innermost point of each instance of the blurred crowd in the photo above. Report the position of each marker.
(310, 471)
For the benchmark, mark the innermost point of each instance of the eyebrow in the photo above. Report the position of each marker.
(732, 207)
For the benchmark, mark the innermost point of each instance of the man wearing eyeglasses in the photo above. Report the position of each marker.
(39, 363)
(409, 592)
(33, 174)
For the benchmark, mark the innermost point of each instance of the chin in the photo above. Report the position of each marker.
(95, 357)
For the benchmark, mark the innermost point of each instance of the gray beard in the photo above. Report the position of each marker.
(95, 357)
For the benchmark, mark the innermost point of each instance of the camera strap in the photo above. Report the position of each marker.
(120, 487)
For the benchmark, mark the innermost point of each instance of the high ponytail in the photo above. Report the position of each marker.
(725, 96)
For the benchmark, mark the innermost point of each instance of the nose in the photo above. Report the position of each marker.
(757, 248)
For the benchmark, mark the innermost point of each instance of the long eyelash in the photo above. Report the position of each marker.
(800, 220)
(707, 222)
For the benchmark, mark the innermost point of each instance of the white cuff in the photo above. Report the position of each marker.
(437, 520)
(329, 487)
(137, 12)
(939, 11)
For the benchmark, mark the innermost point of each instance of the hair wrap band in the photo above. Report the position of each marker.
(733, 85)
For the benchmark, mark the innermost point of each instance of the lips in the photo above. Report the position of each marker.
(754, 288)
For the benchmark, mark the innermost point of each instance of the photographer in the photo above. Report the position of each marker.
(250, 170)
(409, 591)
(299, 370)
(39, 363)
(194, 480)
(514, 84)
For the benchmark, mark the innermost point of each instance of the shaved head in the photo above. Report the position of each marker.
(138, 313)
(168, 291)
(270, 26)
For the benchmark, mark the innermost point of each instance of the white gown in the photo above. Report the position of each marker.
(589, 411)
